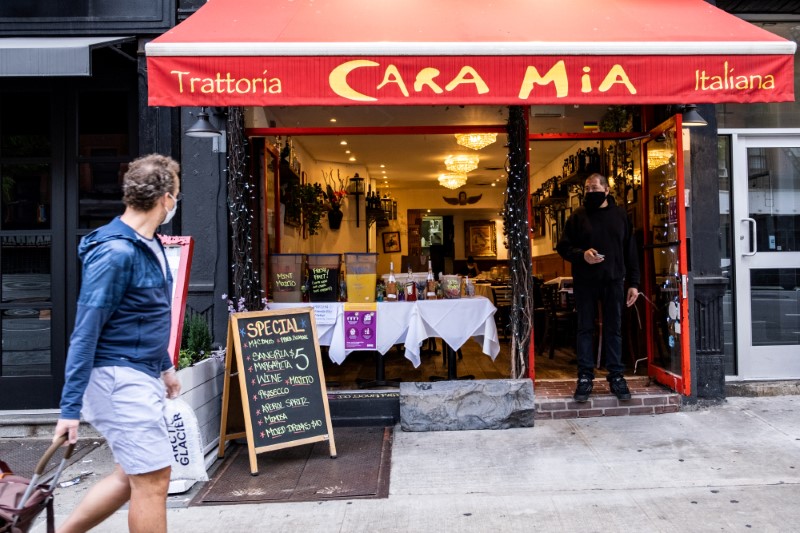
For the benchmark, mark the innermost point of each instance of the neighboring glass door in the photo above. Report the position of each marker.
(665, 268)
(766, 254)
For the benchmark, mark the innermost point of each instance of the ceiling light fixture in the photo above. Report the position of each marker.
(476, 141)
(453, 180)
(461, 163)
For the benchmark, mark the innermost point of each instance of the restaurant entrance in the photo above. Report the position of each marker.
(643, 169)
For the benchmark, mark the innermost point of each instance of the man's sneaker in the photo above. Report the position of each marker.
(583, 390)
(619, 387)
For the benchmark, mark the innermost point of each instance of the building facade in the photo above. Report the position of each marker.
(74, 112)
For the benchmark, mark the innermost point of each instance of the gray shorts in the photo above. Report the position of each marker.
(127, 407)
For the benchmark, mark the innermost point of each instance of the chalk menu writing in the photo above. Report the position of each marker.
(324, 282)
(285, 390)
(284, 281)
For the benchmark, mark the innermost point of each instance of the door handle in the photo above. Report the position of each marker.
(752, 225)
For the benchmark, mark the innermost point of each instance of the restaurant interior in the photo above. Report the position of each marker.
(431, 213)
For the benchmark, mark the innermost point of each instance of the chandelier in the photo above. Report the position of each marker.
(476, 141)
(453, 180)
(659, 157)
(461, 163)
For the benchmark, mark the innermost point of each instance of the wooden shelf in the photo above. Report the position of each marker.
(578, 178)
(552, 200)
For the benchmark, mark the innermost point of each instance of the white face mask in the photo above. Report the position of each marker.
(171, 212)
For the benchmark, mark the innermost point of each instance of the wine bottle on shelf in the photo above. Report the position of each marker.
(430, 285)
(391, 285)
(411, 287)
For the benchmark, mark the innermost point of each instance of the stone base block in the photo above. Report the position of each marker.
(459, 405)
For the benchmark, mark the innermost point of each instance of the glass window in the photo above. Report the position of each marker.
(26, 342)
(26, 197)
(24, 125)
(26, 268)
(103, 124)
(664, 251)
(726, 251)
(773, 183)
(100, 193)
(775, 306)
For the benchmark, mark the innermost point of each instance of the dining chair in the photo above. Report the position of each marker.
(502, 301)
(560, 316)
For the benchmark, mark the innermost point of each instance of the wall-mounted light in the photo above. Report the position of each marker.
(690, 118)
(203, 128)
(356, 189)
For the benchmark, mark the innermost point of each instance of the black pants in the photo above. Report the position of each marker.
(611, 295)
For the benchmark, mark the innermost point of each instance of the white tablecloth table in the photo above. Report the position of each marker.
(485, 290)
(410, 323)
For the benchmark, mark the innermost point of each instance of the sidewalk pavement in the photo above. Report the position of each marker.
(730, 467)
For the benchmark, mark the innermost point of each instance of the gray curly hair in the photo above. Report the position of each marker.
(149, 178)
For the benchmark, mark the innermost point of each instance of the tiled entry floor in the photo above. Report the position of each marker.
(553, 399)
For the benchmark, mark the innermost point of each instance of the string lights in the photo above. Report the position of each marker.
(516, 230)
(245, 287)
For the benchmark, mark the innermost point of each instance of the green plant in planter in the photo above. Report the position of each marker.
(195, 342)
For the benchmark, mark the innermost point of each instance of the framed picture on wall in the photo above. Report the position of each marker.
(391, 242)
(480, 238)
(554, 234)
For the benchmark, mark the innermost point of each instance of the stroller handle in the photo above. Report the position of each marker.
(40, 466)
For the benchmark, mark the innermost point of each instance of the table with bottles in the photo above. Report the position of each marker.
(410, 323)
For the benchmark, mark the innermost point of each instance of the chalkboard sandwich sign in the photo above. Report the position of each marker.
(276, 357)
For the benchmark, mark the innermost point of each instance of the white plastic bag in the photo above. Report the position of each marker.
(184, 437)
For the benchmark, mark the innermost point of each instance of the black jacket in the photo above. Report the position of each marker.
(608, 231)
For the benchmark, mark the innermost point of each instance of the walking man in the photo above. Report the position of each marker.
(118, 370)
(598, 241)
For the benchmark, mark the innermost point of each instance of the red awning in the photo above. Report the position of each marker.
(509, 52)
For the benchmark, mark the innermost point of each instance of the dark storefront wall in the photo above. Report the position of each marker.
(64, 146)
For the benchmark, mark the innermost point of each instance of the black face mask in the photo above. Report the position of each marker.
(593, 200)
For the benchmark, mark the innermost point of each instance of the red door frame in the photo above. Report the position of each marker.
(680, 383)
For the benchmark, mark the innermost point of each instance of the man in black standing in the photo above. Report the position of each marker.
(598, 241)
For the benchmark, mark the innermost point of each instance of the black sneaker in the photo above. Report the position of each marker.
(619, 387)
(583, 390)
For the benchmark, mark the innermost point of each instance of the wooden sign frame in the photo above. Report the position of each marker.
(236, 422)
(184, 248)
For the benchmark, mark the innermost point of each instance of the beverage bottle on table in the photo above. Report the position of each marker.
(342, 285)
(411, 287)
(379, 291)
(391, 285)
(430, 285)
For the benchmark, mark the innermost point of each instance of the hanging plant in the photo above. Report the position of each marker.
(311, 202)
(617, 118)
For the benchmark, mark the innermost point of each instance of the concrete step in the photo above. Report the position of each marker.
(553, 400)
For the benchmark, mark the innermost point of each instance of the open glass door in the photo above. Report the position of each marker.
(665, 268)
(766, 237)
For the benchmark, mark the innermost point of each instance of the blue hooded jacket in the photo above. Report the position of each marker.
(123, 314)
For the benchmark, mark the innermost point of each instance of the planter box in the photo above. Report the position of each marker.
(201, 388)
